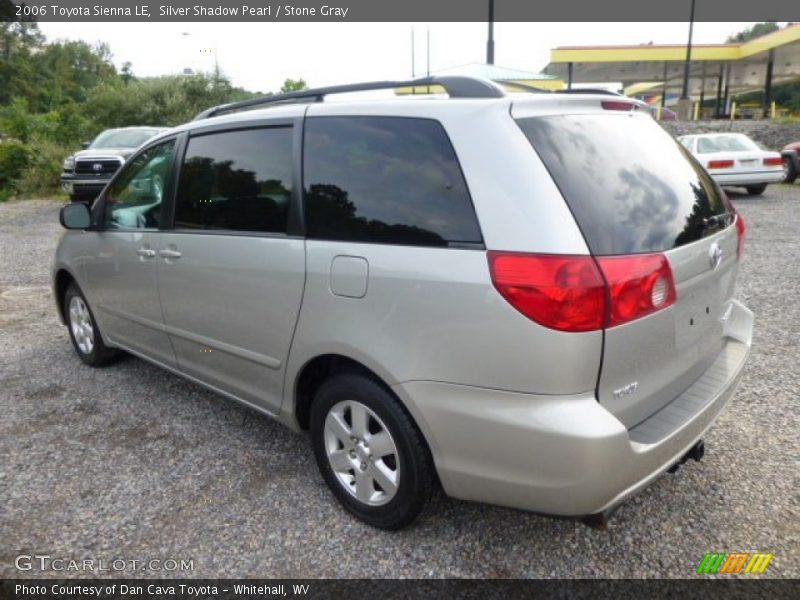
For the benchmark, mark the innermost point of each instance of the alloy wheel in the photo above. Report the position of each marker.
(362, 453)
(80, 322)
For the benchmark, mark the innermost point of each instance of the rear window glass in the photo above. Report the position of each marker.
(725, 143)
(630, 185)
(385, 180)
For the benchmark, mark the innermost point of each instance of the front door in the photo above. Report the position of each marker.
(230, 278)
(121, 274)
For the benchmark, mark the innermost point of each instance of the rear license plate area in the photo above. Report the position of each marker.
(697, 316)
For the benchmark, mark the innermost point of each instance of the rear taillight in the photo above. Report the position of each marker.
(579, 293)
(561, 292)
(720, 164)
(616, 105)
(637, 285)
(775, 161)
(740, 231)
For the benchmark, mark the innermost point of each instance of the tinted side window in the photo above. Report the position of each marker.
(385, 180)
(133, 201)
(236, 180)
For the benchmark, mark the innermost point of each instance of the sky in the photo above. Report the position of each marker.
(260, 56)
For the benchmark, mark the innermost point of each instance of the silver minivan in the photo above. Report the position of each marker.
(524, 299)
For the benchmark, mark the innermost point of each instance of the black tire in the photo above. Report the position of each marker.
(99, 354)
(789, 170)
(756, 190)
(415, 466)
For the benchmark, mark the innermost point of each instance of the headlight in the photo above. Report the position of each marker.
(69, 164)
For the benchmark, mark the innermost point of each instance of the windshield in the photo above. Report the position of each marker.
(123, 138)
(725, 143)
(630, 185)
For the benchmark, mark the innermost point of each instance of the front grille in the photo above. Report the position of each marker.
(100, 166)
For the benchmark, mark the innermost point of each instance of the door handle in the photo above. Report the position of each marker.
(146, 252)
(169, 253)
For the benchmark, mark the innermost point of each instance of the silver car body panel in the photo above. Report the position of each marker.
(515, 413)
(563, 455)
(122, 288)
(230, 304)
(665, 352)
(431, 314)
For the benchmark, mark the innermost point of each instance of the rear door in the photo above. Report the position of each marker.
(231, 270)
(635, 190)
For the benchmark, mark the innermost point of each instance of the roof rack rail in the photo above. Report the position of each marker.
(457, 86)
(601, 91)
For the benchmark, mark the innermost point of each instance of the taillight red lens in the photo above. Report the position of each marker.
(616, 105)
(581, 293)
(775, 161)
(720, 164)
(740, 231)
(638, 285)
(561, 292)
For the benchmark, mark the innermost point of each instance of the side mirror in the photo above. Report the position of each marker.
(76, 215)
(85, 145)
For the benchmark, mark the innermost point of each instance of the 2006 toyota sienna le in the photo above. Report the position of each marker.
(524, 298)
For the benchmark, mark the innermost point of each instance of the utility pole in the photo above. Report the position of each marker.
(685, 104)
(490, 41)
(413, 70)
(428, 58)
(688, 63)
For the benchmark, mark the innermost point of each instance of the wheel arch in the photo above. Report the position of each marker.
(318, 369)
(61, 281)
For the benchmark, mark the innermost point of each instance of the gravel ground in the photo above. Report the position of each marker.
(133, 462)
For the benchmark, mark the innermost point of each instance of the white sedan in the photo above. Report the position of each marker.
(733, 159)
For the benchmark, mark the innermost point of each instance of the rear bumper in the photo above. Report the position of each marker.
(751, 178)
(566, 455)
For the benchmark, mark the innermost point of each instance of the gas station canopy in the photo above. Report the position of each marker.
(743, 67)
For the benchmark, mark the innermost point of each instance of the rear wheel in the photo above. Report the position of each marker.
(83, 332)
(789, 170)
(756, 190)
(370, 452)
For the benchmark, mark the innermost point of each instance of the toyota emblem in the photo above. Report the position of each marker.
(714, 255)
(97, 166)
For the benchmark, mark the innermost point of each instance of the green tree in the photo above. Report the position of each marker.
(293, 85)
(126, 72)
(750, 33)
(19, 42)
(55, 95)
(66, 71)
(165, 101)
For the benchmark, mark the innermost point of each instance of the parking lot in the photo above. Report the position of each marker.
(132, 462)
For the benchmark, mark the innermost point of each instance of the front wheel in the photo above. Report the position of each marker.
(789, 170)
(370, 452)
(756, 190)
(83, 332)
